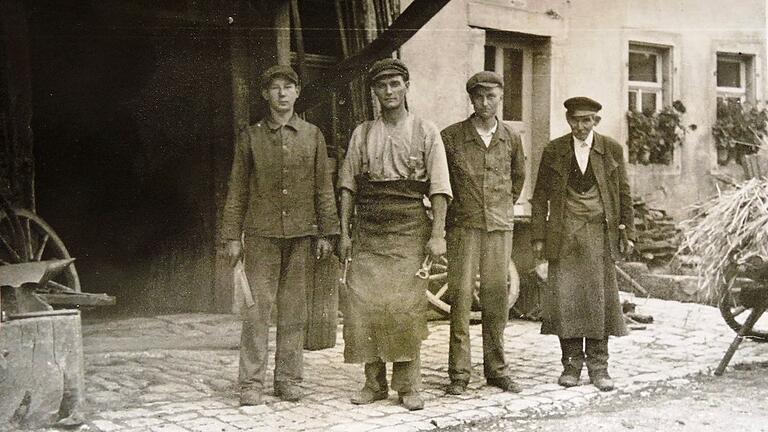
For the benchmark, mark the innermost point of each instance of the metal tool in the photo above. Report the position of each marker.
(423, 272)
(343, 279)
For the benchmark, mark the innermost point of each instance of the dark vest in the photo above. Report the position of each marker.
(576, 180)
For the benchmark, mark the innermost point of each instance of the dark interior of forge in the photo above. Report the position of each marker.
(131, 115)
(125, 120)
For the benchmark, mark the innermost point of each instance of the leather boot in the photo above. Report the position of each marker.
(573, 361)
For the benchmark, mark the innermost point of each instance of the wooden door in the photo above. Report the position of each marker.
(514, 61)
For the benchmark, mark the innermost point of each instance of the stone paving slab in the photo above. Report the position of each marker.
(162, 389)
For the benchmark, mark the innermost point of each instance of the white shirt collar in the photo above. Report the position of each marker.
(588, 141)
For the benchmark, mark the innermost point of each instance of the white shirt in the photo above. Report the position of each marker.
(581, 149)
(489, 136)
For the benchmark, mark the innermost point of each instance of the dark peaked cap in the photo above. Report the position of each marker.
(485, 79)
(279, 71)
(582, 106)
(386, 67)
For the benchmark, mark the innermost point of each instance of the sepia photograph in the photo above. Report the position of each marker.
(383, 215)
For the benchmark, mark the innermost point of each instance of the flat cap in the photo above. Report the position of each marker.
(582, 106)
(276, 71)
(386, 67)
(485, 79)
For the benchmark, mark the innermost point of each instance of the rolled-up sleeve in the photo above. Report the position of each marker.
(352, 162)
(436, 162)
(236, 204)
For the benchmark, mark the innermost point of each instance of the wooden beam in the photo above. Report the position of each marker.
(342, 29)
(299, 35)
(406, 25)
(282, 26)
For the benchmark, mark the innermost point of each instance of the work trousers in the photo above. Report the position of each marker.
(406, 376)
(276, 270)
(470, 249)
(577, 351)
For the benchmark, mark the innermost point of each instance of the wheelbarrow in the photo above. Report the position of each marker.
(743, 299)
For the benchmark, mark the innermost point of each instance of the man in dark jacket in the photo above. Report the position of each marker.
(281, 197)
(582, 222)
(487, 171)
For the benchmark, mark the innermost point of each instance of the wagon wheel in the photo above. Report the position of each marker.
(25, 237)
(439, 298)
(736, 306)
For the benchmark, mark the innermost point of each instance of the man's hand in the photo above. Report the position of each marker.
(323, 249)
(538, 249)
(626, 246)
(436, 247)
(234, 251)
(345, 248)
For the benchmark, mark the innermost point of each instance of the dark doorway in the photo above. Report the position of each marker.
(128, 114)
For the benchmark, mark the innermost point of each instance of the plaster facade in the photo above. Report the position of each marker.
(582, 48)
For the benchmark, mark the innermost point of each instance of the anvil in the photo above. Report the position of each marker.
(18, 283)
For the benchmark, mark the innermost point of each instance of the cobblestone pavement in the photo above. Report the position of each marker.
(178, 373)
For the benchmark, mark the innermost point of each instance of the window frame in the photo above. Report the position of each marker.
(647, 87)
(741, 92)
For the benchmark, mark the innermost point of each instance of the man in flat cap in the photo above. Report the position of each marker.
(487, 171)
(281, 198)
(582, 222)
(391, 164)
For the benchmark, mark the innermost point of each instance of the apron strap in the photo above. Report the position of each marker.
(366, 130)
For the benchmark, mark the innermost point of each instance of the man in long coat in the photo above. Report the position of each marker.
(582, 222)
(391, 164)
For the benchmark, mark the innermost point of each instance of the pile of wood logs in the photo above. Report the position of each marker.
(658, 237)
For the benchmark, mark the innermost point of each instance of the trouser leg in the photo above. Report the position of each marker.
(597, 356)
(376, 376)
(406, 376)
(291, 310)
(495, 255)
(572, 355)
(463, 258)
(262, 266)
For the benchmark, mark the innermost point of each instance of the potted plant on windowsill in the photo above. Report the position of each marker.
(740, 129)
(653, 136)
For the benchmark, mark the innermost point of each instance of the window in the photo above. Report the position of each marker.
(647, 77)
(732, 75)
(510, 61)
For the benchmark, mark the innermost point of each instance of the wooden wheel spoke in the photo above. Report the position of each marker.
(738, 310)
(441, 291)
(15, 255)
(26, 239)
(438, 277)
(43, 242)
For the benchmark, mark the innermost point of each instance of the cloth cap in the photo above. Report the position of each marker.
(387, 67)
(581, 106)
(281, 71)
(485, 79)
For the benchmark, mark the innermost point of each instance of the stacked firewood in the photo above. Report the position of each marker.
(658, 237)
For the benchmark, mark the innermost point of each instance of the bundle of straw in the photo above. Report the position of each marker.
(730, 226)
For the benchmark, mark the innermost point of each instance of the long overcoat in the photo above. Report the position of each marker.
(548, 202)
